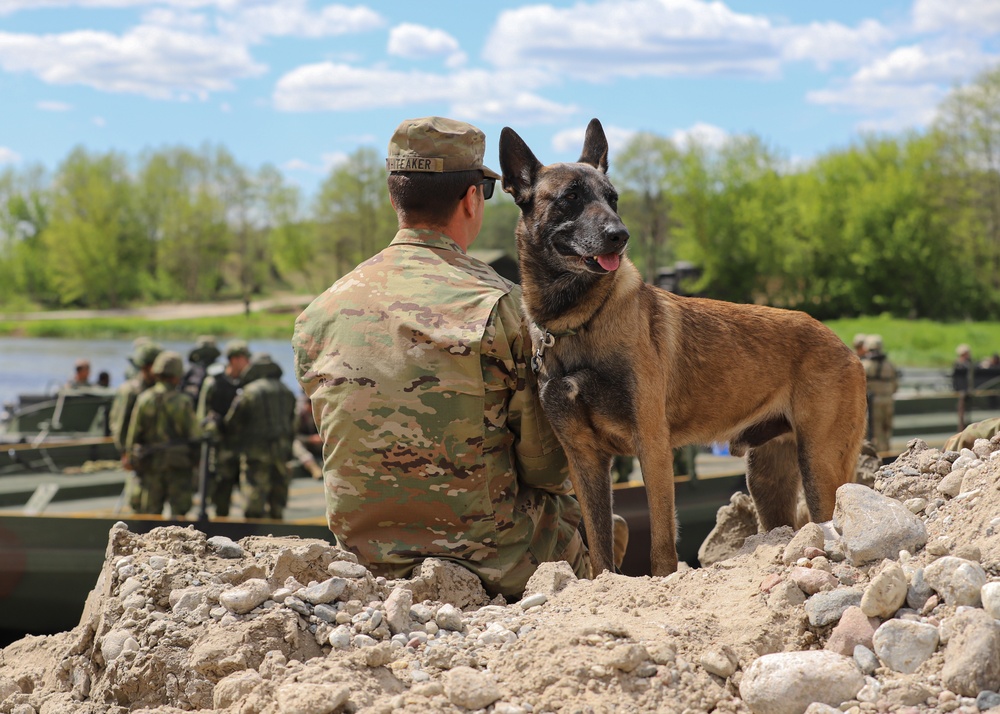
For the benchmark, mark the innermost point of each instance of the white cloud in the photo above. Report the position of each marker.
(8, 156)
(294, 18)
(611, 38)
(571, 140)
(826, 42)
(152, 61)
(903, 88)
(99, 121)
(701, 134)
(327, 162)
(974, 16)
(416, 42)
(472, 94)
(51, 106)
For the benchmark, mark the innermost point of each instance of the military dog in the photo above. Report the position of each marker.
(626, 368)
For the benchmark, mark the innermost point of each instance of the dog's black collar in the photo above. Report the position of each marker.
(548, 339)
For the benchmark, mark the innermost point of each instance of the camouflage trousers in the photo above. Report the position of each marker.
(882, 411)
(550, 526)
(266, 483)
(226, 478)
(173, 486)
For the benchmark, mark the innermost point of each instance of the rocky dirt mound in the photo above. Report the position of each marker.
(891, 607)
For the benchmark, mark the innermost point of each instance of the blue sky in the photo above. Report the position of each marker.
(300, 84)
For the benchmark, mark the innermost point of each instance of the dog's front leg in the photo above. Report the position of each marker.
(657, 463)
(589, 466)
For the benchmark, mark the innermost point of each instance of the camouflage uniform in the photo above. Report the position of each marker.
(985, 429)
(160, 442)
(120, 417)
(435, 445)
(217, 394)
(200, 359)
(263, 419)
(882, 385)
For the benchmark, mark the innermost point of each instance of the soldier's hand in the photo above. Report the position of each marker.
(127, 462)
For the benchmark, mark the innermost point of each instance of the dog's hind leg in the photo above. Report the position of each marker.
(657, 462)
(773, 478)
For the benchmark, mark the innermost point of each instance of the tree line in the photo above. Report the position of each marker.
(907, 225)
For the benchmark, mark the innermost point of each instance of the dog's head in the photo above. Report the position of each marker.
(569, 212)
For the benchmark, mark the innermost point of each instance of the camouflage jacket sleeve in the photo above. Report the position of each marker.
(541, 461)
(121, 414)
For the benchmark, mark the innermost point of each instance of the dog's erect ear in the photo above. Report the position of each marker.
(518, 165)
(595, 147)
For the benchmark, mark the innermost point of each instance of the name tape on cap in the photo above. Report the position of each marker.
(414, 163)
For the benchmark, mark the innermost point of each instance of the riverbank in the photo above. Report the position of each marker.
(914, 343)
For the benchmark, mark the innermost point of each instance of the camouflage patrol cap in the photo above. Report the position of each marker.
(963, 349)
(873, 342)
(145, 354)
(262, 367)
(168, 364)
(236, 348)
(437, 145)
(859, 340)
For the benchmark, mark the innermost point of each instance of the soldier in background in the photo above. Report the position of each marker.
(217, 394)
(81, 375)
(160, 443)
(142, 358)
(882, 384)
(962, 381)
(307, 448)
(200, 360)
(262, 419)
(858, 343)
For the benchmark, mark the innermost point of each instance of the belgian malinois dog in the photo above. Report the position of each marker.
(627, 368)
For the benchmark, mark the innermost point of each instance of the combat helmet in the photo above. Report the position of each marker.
(205, 351)
(237, 347)
(262, 367)
(168, 364)
(145, 354)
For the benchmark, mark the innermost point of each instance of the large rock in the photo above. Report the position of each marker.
(875, 527)
(788, 682)
(903, 645)
(972, 657)
(734, 523)
(957, 580)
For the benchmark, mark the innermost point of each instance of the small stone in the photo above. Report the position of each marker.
(768, 583)
(812, 581)
(469, 688)
(534, 601)
(626, 657)
(903, 645)
(340, 638)
(972, 656)
(987, 699)
(346, 569)
(308, 698)
(788, 682)
(809, 536)
(449, 617)
(875, 527)
(957, 580)
(886, 593)
(915, 505)
(324, 592)
(721, 662)
(854, 629)
(951, 485)
(990, 595)
(866, 660)
(246, 596)
(827, 607)
(225, 547)
(397, 610)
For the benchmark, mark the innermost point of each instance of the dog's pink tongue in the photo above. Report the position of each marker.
(609, 261)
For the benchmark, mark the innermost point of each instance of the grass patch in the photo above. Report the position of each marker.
(914, 343)
(923, 343)
(258, 325)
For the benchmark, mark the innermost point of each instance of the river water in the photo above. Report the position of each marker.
(42, 365)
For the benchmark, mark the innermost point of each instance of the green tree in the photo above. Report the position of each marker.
(97, 253)
(24, 217)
